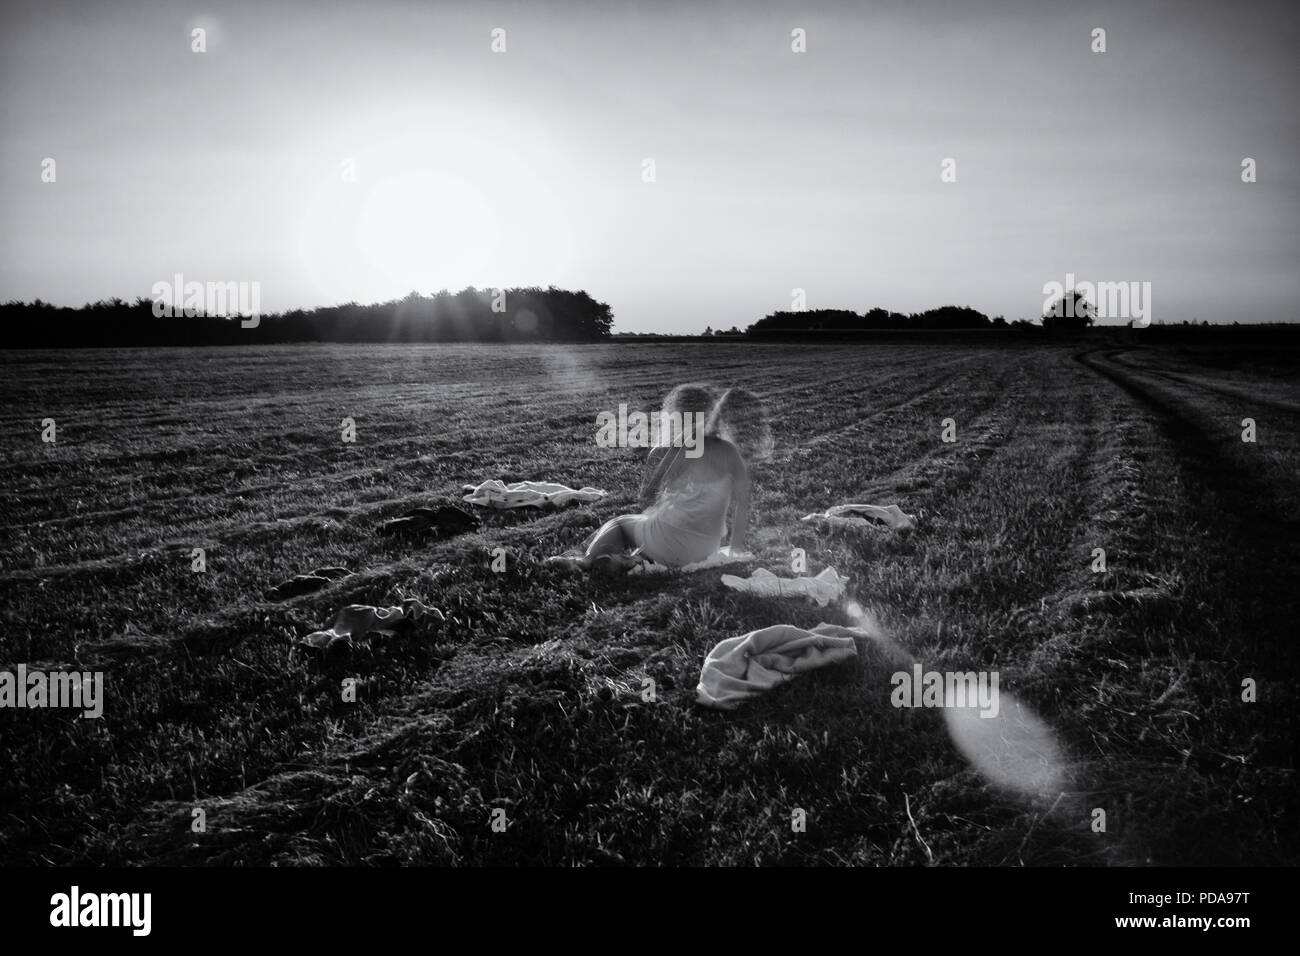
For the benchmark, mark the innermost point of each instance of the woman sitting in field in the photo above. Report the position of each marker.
(689, 496)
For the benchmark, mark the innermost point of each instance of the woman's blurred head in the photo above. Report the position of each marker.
(740, 417)
(691, 397)
(688, 399)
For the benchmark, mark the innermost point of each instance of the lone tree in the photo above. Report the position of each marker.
(1072, 312)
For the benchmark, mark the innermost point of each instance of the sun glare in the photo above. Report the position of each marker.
(428, 231)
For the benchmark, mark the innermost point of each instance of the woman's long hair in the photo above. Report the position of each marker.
(740, 417)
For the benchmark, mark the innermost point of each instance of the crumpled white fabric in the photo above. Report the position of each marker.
(740, 668)
(824, 588)
(848, 516)
(717, 559)
(361, 619)
(522, 494)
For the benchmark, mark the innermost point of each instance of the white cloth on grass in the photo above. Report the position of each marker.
(826, 587)
(847, 516)
(523, 494)
(740, 668)
(717, 559)
(361, 619)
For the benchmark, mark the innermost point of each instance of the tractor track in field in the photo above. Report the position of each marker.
(1118, 357)
(1108, 506)
(1243, 509)
(1228, 479)
(1203, 649)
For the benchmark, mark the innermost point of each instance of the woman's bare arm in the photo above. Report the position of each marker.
(740, 496)
(650, 484)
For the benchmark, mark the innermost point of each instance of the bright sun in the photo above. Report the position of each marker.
(429, 231)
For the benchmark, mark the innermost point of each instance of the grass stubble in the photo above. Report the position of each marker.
(530, 696)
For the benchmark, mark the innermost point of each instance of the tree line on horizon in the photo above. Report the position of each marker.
(1071, 313)
(947, 317)
(525, 314)
(528, 314)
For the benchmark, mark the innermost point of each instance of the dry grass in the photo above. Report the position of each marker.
(528, 697)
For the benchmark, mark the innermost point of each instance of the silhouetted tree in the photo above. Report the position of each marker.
(1072, 312)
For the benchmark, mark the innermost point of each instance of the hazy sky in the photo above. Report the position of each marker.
(774, 170)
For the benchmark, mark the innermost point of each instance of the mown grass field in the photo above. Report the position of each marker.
(528, 697)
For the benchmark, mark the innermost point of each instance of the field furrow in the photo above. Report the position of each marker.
(529, 694)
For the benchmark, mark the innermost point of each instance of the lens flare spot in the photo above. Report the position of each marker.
(1012, 748)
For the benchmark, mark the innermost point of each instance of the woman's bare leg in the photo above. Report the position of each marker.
(613, 538)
